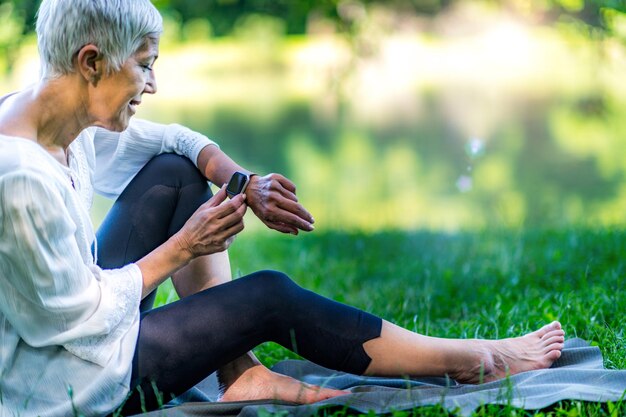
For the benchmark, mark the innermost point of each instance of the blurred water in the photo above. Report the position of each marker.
(426, 173)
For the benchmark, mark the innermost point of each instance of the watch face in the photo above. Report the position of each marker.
(236, 184)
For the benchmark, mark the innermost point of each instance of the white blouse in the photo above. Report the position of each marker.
(68, 328)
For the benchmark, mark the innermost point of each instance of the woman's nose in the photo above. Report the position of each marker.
(151, 84)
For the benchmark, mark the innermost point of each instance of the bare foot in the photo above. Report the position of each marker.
(498, 358)
(259, 383)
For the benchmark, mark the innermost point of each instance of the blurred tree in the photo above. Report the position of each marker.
(604, 17)
(24, 11)
(596, 15)
(224, 14)
(11, 31)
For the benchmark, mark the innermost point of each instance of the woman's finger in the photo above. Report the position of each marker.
(233, 217)
(217, 198)
(231, 206)
(286, 183)
(230, 231)
(289, 206)
(285, 188)
(281, 227)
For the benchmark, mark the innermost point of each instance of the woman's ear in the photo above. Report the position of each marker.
(90, 63)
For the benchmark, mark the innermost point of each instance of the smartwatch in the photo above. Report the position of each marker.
(237, 184)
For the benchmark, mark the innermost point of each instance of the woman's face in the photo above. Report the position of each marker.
(116, 96)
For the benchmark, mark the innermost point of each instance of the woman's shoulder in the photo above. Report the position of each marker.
(19, 155)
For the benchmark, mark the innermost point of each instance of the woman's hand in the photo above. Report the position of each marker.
(273, 199)
(213, 227)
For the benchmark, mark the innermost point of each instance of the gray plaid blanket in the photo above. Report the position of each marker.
(578, 375)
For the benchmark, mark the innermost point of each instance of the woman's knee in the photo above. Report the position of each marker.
(275, 283)
(172, 185)
(173, 167)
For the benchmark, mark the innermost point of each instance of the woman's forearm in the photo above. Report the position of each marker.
(217, 166)
(161, 263)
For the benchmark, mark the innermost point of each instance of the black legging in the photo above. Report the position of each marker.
(183, 342)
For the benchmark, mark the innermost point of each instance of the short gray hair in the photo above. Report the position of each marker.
(117, 27)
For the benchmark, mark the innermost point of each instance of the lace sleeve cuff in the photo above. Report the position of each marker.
(185, 142)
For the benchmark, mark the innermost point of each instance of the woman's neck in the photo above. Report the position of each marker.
(60, 114)
(50, 113)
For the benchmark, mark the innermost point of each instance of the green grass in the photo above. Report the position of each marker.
(487, 285)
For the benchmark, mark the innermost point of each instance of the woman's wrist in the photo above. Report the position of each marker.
(181, 249)
(218, 167)
(162, 262)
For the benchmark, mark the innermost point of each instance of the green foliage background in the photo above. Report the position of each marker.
(223, 15)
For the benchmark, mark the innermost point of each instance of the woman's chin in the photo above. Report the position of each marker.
(115, 126)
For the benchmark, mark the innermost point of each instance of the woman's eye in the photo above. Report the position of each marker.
(146, 67)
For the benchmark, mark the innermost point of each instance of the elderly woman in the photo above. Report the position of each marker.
(72, 338)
